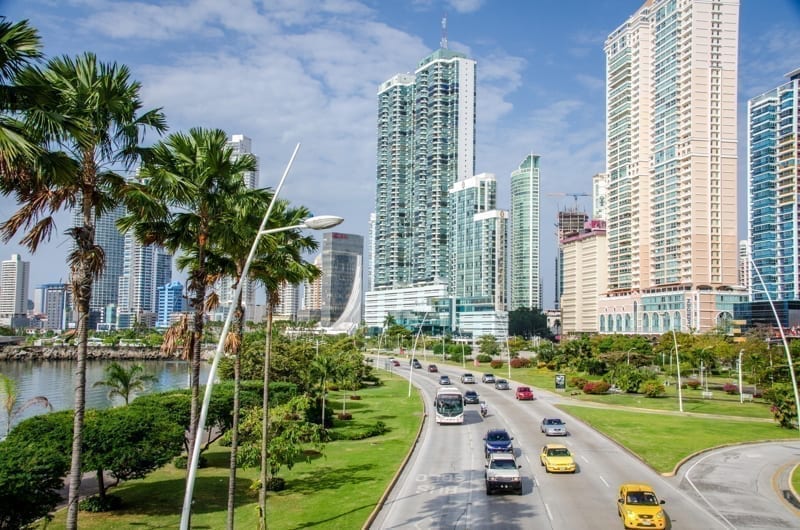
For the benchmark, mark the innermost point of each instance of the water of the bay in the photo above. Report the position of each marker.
(54, 380)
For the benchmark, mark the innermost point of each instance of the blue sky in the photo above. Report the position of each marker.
(307, 71)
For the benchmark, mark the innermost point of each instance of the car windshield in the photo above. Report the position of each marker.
(471, 393)
(561, 451)
(502, 382)
(553, 422)
(523, 389)
(497, 437)
(642, 497)
(503, 464)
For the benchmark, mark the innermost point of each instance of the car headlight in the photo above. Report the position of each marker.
(660, 514)
(515, 479)
(630, 514)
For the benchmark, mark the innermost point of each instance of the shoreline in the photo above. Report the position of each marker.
(67, 353)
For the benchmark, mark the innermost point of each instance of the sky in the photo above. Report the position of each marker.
(288, 72)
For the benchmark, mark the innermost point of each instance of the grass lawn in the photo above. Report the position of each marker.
(662, 440)
(336, 490)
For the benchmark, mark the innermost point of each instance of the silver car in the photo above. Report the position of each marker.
(554, 427)
(501, 384)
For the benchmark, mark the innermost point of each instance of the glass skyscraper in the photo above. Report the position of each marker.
(426, 142)
(525, 236)
(773, 177)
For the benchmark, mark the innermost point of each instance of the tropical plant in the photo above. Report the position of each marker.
(186, 186)
(10, 396)
(125, 382)
(104, 102)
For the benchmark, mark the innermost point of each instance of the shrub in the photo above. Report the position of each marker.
(521, 362)
(355, 397)
(496, 364)
(344, 416)
(730, 388)
(541, 364)
(276, 484)
(577, 382)
(694, 384)
(484, 358)
(596, 387)
(377, 429)
(653, 389)
(95, 504)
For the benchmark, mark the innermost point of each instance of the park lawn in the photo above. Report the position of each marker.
(338, 489)
(663, 440)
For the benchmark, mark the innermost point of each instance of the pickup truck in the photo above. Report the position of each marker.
(502, 473)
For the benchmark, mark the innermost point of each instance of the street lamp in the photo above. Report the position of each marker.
(414, 352)
(741, 398)
(314, 223)
(678, 365)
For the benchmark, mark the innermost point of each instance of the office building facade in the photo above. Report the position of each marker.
(14, 283)
(341, 293)
(773, 176)
(145, 269)
(525, 235)
(583, 258)
(170, 303)
(671, 72)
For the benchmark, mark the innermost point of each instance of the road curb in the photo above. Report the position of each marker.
(403, 464)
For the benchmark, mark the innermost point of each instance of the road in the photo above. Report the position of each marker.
(442, 485)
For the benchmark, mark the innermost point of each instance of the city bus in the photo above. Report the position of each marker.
(449, 404)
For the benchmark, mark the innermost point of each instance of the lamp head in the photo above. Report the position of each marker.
(321, 222)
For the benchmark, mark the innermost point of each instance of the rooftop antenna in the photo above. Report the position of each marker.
(443, 42)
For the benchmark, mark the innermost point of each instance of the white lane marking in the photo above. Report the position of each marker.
(603, 480)
(584, 459)
(697, 491)
(547, 509)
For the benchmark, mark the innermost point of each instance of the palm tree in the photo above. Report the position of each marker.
(124, 382)
(282, 262)
(188, 183)
(8, 390)
(105, 102)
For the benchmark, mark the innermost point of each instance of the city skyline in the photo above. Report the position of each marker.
(273, 76)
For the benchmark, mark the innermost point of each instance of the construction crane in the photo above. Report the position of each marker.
(568, 194)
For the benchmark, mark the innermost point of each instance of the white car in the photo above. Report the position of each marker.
(468, 379)
(554, 427)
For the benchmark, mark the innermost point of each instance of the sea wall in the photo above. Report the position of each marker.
(54, 353)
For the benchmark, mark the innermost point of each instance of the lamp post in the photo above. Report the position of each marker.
(678, 365)
(785, 344)
(414, 352)
(314, 223)
(741, 398)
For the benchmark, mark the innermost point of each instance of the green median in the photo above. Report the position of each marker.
(337, 489)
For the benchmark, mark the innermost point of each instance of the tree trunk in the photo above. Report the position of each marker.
(237, 364)
(82, 290)
(197, 336)
(101, 485)
(262, 492)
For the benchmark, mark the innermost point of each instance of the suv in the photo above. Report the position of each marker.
(467, 379)
(497, 441)
(416, 364)
(502, 473)
(487, 378)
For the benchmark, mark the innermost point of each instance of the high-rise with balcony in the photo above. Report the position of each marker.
(525, 235)
(145, 269)
(671, 73)
(773, 181)
(426, 142)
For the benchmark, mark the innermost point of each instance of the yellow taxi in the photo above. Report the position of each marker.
(639, 507)
(556, 458)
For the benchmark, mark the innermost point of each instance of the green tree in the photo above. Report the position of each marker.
(186, 186)
(487, 345)
(10, 397)
(129, 443)
(125, 382)
(527, 322)
(783, 408)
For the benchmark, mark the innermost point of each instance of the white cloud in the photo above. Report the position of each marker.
(465, 6)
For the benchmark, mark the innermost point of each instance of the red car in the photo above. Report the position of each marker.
(524, 393)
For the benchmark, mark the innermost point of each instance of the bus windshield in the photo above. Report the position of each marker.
(450, 405)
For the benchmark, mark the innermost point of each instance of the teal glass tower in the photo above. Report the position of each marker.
(426, 142)
(773, 178)
(525, 262)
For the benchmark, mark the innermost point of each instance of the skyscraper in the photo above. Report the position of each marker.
(671, 166)
(340, 296)
(241, 145)
(169, 301)
(106, 287)
(14, 282)
(772, 197)
(478, 256)
(145, 269)
(426, 142)
(51, 300)
(525, 234)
